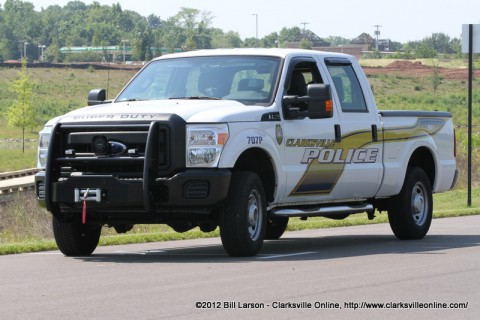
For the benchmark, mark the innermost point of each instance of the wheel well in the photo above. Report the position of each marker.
(258, 161)
(422, 158)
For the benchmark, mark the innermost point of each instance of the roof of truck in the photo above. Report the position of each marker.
(276, 52)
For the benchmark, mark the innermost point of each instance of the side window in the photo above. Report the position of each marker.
(302, 75)
(348, 88)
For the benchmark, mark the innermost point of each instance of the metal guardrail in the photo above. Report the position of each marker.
(18, 174)
(16, 181)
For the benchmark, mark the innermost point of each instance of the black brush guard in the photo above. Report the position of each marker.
(149, 182)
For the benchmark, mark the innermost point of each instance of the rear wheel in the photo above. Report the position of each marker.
(243, 219)
(276, 227)
(410, 213)
(74, 238)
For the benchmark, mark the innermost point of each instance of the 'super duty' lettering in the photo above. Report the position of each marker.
(137, 116)
(328, 155)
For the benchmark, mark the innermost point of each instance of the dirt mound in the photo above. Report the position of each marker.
(406, 65)
(417, 69)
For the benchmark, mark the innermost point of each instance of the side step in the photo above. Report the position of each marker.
(327, 211)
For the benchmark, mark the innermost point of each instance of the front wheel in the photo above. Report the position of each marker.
(410, 213)
(243, 219)
(74, 238)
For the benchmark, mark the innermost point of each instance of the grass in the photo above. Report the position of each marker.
(12, 156)
(12, 159)
(57, 91)
(63, 88)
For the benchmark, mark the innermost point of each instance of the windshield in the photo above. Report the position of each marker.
(248, 79)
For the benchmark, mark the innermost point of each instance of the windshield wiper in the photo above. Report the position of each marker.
(197, 98)
(131, 100)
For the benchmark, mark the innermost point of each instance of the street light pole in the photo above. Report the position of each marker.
(256, 24)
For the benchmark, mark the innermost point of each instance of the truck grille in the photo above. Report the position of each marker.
(124, 150)
(119, 150)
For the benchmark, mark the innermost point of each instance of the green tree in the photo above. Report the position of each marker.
(8, 45)
(270, 40)
(289, 35)
(336, 41)
(225, 40)
(21, 113)
(395, 46)
(170, 35)
(305, 44)
(52, 53)
(25, 24)
(424, 50)
(195, 28)
(252, 43)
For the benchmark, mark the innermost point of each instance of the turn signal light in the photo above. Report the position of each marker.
(329, 106)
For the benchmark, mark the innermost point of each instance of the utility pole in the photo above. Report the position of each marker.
(377, 34)
(304, 24)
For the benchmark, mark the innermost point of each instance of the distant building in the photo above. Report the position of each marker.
(354, 49)
(315, 40)
(383, 44)
(351, 49)
(364, 39)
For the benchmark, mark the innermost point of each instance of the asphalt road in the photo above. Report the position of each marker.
(320, 274)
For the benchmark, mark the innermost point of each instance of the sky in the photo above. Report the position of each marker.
(400, 20)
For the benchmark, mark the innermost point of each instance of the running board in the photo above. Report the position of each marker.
(322, 211)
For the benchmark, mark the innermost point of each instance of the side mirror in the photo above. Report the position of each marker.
(320, 103)
(97, 96)
(317, 104)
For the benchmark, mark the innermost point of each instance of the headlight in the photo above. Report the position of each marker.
(205, 144)
(43, 141)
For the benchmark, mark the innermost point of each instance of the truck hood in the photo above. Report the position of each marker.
(192, 111)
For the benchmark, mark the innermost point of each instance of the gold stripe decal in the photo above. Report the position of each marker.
(423, 128)
(326, 159)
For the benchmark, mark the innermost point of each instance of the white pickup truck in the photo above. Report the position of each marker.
(241, 139)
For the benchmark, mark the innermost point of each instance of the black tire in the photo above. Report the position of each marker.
(410, 212)
(75, 239)
(276, 227)
(243, 218)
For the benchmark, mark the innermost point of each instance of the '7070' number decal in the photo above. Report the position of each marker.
(254, 140)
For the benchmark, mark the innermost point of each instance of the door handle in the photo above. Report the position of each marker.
(374, 133)
(338, 133)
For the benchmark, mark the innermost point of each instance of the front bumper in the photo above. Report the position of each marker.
(188, 189)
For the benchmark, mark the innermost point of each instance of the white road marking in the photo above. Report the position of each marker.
(45, 252)
(286, 255)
